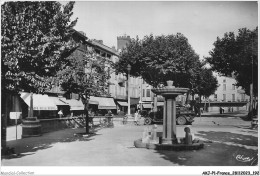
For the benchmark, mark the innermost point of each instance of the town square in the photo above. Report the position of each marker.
(129, 87)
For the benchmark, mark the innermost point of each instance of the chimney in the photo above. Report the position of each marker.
(99, 41)
(83, 33)
(113, 48)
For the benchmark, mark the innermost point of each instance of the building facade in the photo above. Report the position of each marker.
(229, 94)
(118, 87)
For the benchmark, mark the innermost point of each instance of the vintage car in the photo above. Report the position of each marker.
(184, 116)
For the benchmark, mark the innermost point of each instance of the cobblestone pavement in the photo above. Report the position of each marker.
(226, 140)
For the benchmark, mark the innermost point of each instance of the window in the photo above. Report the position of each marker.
(233, 97)
(224, 80)
(133, 92)
(224, 87)
(215, 97)
(233, 87)
(224, 97)
(243, 97)
(143, 93)
(148, 93)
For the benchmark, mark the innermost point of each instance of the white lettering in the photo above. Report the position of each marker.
(242, 158)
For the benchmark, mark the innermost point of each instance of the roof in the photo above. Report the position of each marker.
(104, 47)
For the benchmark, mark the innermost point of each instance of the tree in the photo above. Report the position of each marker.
(206, 83)
(159, 59)
(87, 74)
(35, 42)
(237, 56)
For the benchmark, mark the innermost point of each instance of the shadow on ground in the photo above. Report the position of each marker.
(28, 146)
(230, 114)
(213, 154)
(226, 152)
(247, 140)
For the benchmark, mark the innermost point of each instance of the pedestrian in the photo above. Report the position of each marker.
(136, 118)
(60, 113)
(109, 117)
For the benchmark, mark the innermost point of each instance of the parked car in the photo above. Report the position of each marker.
(144, 113)
(184, 116)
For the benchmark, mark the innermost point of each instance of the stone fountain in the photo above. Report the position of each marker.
(167, 139)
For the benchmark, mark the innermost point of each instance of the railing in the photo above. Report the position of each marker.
(227, 100)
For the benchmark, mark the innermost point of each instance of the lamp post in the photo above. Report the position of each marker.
(128, 94)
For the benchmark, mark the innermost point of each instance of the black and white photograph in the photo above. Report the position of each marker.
(129, 88)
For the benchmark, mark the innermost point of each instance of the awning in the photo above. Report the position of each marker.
(59, 102)
(104, 103)
(150, 106)
(75, 105)
(146, 106)
(91, 101)
(134, 101)
(159, 103)
(40, 102)
(122, 103)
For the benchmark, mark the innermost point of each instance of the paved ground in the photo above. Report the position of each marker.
(229, 141)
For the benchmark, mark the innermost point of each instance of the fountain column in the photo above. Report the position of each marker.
(169, 115)
(169, 120)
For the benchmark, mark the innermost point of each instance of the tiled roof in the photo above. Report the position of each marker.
(104, 47)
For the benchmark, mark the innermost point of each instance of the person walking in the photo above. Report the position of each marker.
(60, 113)
(136, 118)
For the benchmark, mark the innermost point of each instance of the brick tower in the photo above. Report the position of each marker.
(122, 41)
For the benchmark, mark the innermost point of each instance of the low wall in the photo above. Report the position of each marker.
(48, 125)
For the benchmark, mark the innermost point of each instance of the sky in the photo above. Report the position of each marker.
(201, 22)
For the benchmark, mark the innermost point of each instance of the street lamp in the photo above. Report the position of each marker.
(128, 69)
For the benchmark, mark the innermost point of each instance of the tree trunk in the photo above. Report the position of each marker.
(155, 103)
(86, 114)
(187, 98)
(205, 106)
(250, 110)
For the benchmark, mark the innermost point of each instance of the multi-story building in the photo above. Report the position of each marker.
(118, 88)
(71, 103)
(227, 94)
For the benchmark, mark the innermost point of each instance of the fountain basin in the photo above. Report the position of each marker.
(196, 145)
(31, 127)
(170, 90)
